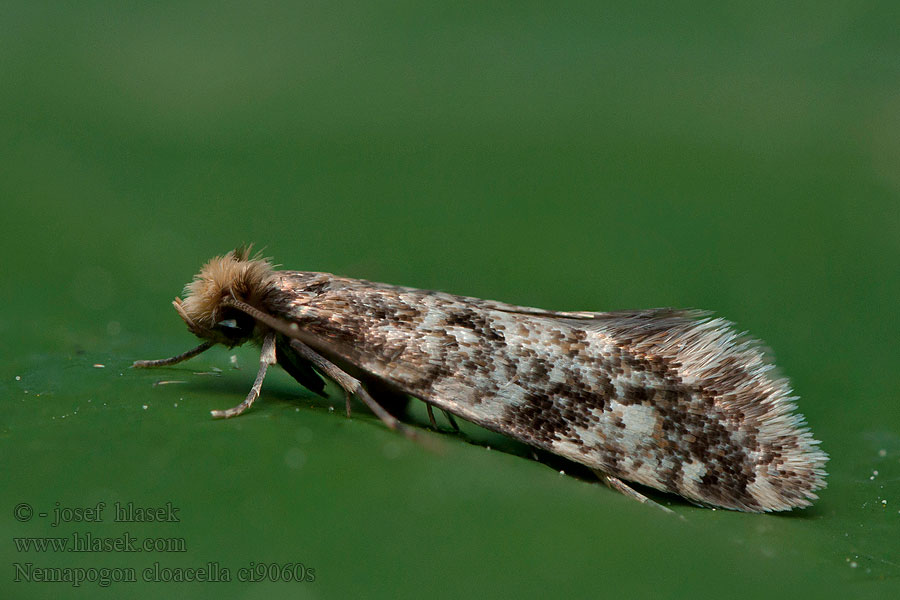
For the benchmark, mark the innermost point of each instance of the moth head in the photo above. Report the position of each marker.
(234, 275)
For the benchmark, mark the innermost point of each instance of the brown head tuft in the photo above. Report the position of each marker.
(235, 274)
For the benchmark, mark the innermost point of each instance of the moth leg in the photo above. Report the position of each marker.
(347, 395)
(446, 414)
(165, 362)
(623, 488)
(266, 358)
(431, 415)
(452, 421)
(351, 385)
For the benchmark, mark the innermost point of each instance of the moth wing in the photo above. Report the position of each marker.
(691, 337)
(667, 367)
(632, 317)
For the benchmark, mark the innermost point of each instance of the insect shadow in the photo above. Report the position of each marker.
(413, 412)
(280, 390)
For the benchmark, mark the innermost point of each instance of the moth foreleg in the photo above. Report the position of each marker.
(164, 362)
(623, 488)
(431, 416)
(350, 385)
(266, 358)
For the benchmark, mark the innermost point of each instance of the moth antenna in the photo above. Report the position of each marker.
(291, 330)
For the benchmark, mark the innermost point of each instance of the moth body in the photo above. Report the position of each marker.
(671, 399)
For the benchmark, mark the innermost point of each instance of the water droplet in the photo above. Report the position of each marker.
(392, 450)
(295, 458)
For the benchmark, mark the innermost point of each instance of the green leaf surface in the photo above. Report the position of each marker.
(741, 159)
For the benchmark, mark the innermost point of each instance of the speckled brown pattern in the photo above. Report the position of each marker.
(671, 399)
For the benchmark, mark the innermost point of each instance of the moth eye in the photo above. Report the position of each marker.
(235, 328)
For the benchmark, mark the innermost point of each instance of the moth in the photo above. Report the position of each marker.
(671, 399)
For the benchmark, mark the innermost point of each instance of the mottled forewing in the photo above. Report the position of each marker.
(660, 397)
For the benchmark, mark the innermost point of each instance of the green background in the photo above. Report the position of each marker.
(744, 159)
